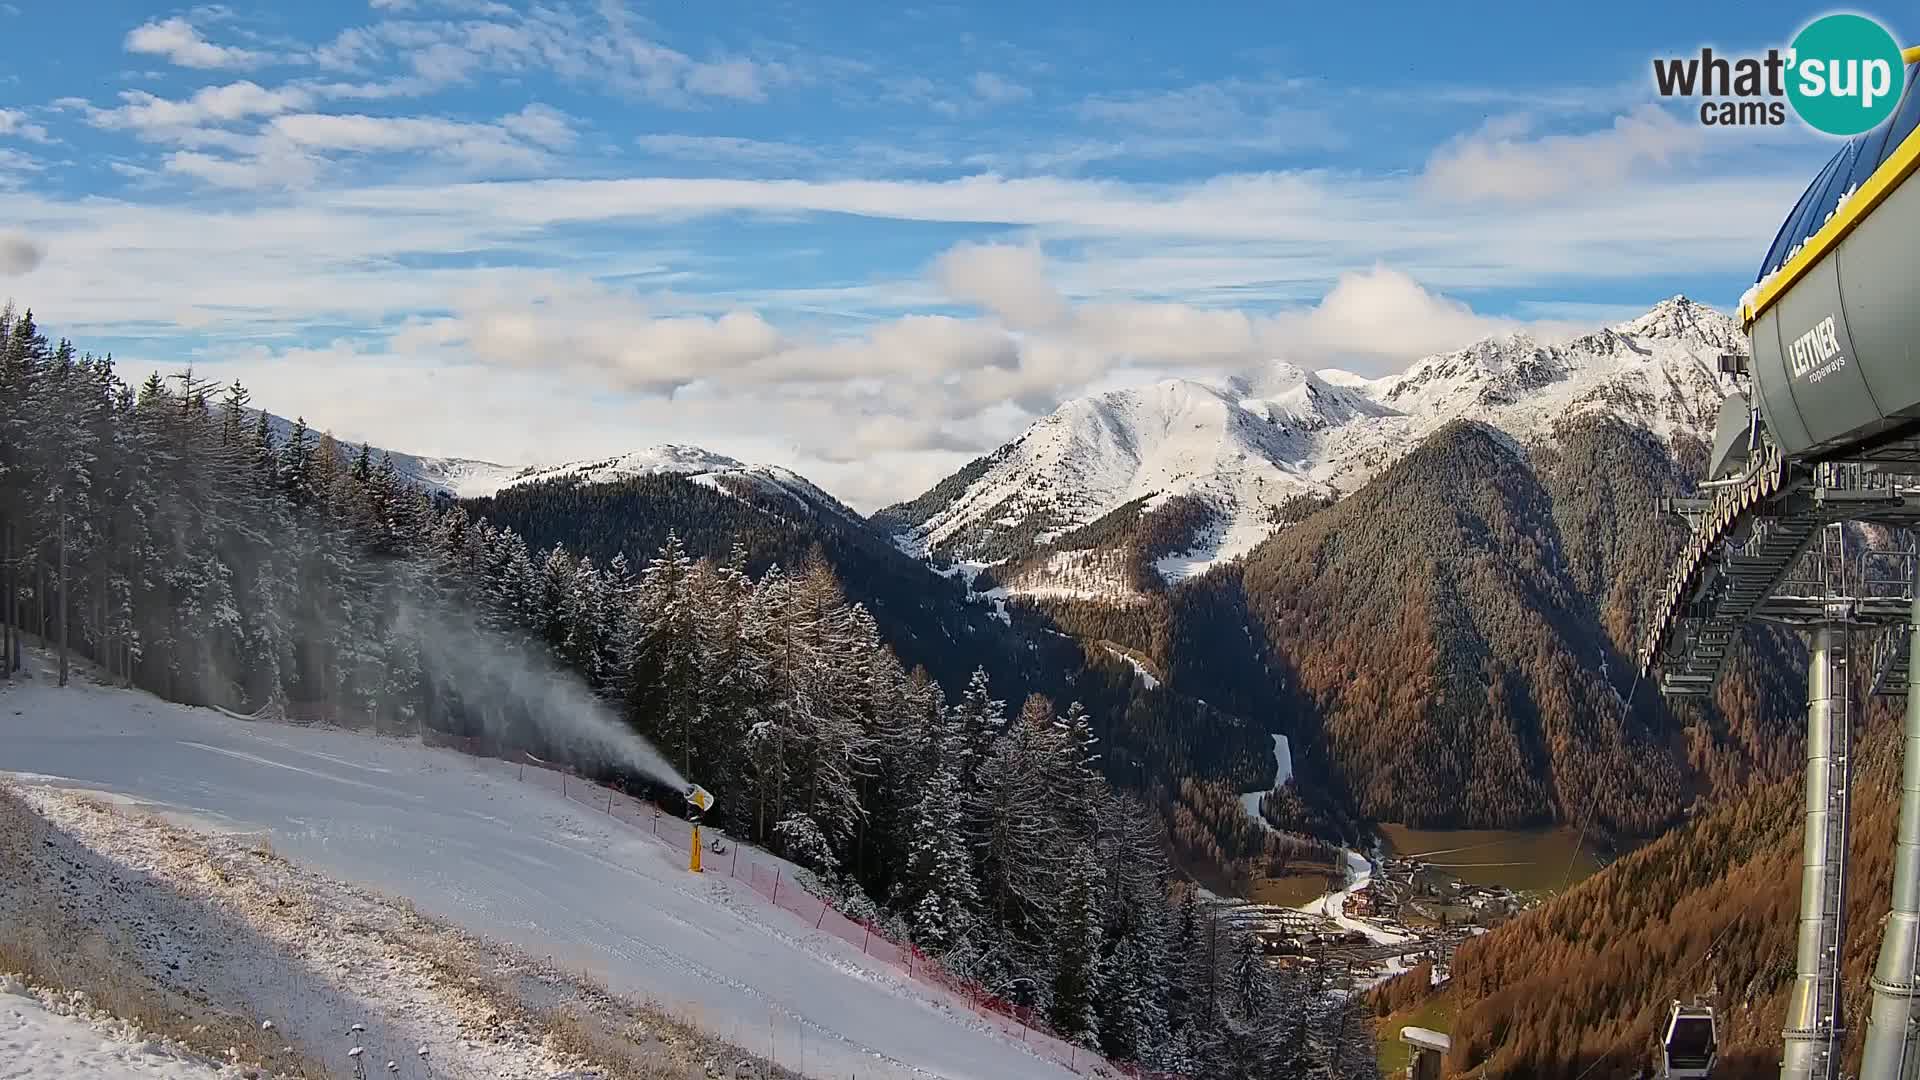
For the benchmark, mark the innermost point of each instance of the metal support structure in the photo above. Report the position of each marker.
(1815, 1030)
(1893, 1039)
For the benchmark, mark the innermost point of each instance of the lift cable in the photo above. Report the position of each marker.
(1626, 707)
(1684, 975)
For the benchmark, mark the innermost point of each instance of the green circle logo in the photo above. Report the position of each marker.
(1846, 74)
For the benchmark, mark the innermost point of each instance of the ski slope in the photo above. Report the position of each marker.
(463, 840)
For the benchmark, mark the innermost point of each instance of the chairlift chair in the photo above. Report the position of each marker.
(1691, 1047)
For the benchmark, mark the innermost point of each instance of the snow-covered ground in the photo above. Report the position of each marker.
(1146, 677)
(1358, 868)
(1283, 771)
(1359, 873)
(217, 918)
(462, 840)
(46, 1038)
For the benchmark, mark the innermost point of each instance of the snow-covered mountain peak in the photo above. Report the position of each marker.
(1489, 372)
(1348, 379)
(1682, 320)
(665, 458)
(1247, 445)
(1288, 394)
(699, 465)
(677, 457)
(1096, 453)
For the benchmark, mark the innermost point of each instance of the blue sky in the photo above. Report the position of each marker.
(865, 240)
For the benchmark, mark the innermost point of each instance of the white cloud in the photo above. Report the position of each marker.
(998, 89)
(918, 381)
(1006, 279)
(972, 97)
(178, 41)
(1311, 225)
(1221, 107)
(13, 161)
(157, 117)
(360, 133)
(1170, 333)
(601, 44)
(739, 79)
(460, 330)
(1206, 107)
(275, 165)
(542, 124)
(579, 325)
(14, 123)
(471, 7)
(410, 399)
(1377, 321)
(444, 63)
(349, 51)
(1498, 163)
(922, 348)
(729, 149)
(18, 255)
(517, 143)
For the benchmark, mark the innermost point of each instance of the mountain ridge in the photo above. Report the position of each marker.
(1246, 445)
(1242, 446)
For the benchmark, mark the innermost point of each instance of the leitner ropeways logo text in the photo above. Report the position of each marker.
(1843, 75)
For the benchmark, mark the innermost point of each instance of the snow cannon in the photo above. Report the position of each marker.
(701, 800)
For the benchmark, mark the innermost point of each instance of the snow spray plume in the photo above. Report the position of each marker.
(503, 679)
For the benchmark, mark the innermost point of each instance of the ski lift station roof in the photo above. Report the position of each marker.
(1848, 171)
(1834, 330)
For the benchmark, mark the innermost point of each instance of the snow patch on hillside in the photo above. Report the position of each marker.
(1230, 537)
(1140, 670)
(1283, 772)
(51, 1039)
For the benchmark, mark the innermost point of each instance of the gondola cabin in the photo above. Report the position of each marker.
(1692, 1043)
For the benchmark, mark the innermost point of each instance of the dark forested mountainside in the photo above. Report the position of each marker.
(1431, 620)
(1709, 909)
(1210, 828)
(1604, 477)
(183, 549)
(923, 616)
(1450, 644)
(1152, 739)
